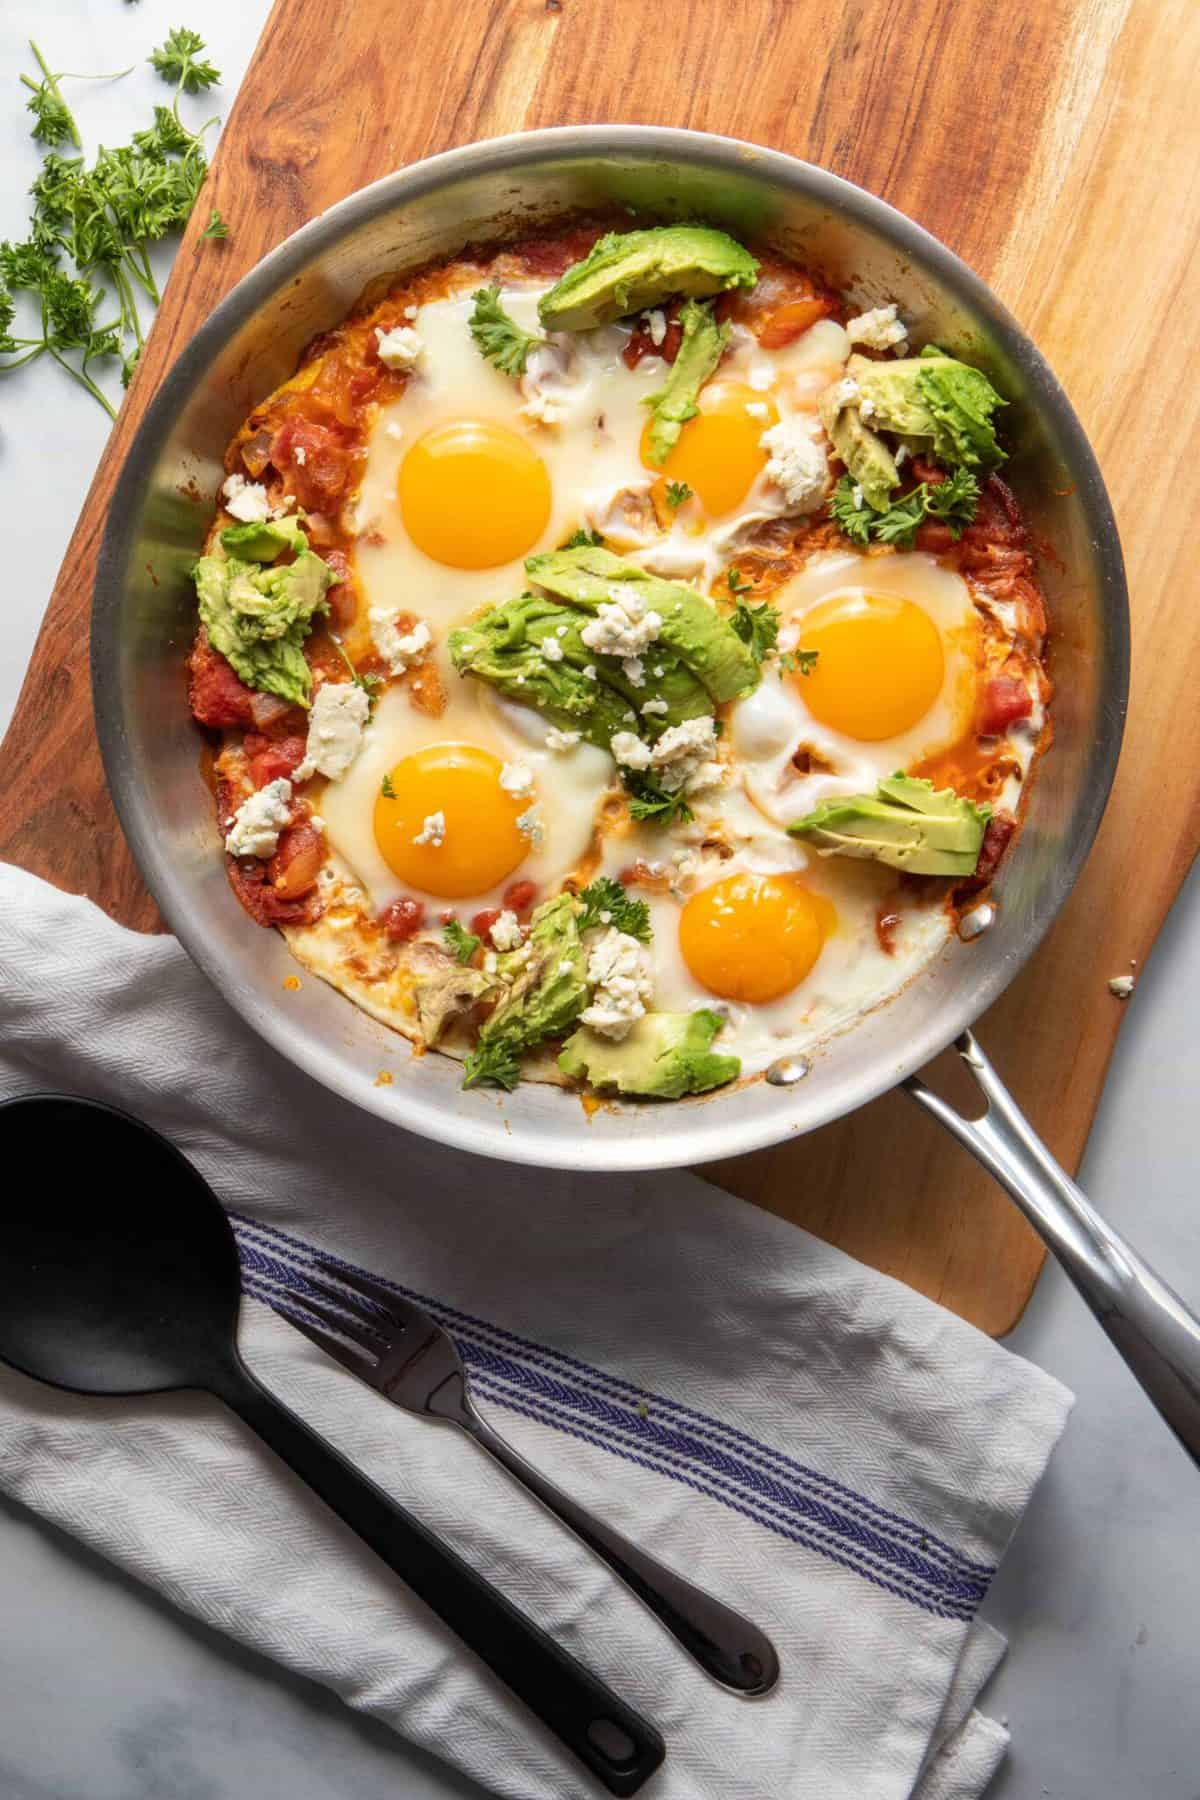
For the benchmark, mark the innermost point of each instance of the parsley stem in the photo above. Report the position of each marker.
(84, 380)
(37, 345)
(52, 83)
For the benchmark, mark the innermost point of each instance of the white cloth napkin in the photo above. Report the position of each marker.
(837, 1457)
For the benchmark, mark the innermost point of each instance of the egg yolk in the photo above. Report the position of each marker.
(718, 453)
(879, 667)
(754, 937)
(480, 840)
(473, 494)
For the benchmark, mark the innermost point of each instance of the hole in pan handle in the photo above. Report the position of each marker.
(1154, 1332)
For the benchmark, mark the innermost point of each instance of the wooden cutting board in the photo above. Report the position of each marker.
(1052, 143)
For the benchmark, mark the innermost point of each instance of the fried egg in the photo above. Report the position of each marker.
(506, 805)
(898, 652)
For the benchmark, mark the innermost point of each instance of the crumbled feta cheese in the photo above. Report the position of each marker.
(621, 984)
(561, 740)
(761, 377)
(246, 500)
(901, 455)
(529, 822)
(623, 626)
(316, 821)
(656, 325)
(398, 348)
(758, 409)
(410, 312)
(397, 649)
(879, 329)
(845, 392)
(506, 931)
(340, 710)
(654, 706)
(682, 755)
(796, 464)
(516, 778)
(1121, 986)
(300, 455)
(255, 827)
(566, 966)
(560, 631)
(856, 494)
(552, 650)
(629, 750)
(394, 429)
(433, 830)
(589, 672)
(634, 671)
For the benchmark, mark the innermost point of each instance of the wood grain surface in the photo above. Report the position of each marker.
(1055, 144)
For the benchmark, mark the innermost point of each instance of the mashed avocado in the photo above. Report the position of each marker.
(629, 270)
(258, 618)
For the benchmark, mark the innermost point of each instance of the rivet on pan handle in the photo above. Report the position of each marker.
(1153, 1330)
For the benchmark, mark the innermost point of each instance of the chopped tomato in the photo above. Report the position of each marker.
(268, 905)
(642, 344)
(216, 696)
(1004, 699)
(996, 839)
(792, 320)
(294, 868)
(316, 460)
(483, 921)
(271, 758)
(341, 597)
(519, 897)
(402, 919)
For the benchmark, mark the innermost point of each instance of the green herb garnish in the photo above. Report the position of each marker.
(491, 1065)
(608, 896)
(677, 493)
(651, 802)
(583, 540)
(464, 943)
(953, 501)
(178, 60)
(499, 337)
(757, 626)
(216, 227)
(386, 788)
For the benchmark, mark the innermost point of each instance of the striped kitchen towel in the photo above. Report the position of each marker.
(840, 1459)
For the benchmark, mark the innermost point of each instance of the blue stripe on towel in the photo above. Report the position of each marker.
(677, 1441)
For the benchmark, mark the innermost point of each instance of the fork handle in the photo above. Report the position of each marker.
(619, 1746)
(728, 1647)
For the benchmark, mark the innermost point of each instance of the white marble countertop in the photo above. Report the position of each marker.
(107, 1694)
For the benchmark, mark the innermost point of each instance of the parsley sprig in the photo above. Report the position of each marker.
(677, 493)
(583, 540)
(85, 260)
(606, 896)
(464, 943)
(658, 805)
(499, 337)
(953, 501)
(758, 628)
(491, 1065)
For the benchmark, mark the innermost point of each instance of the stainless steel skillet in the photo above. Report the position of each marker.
(143, 620)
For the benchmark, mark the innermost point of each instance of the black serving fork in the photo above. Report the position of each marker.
(397, 1348)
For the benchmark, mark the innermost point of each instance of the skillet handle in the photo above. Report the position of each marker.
(1153, 1330)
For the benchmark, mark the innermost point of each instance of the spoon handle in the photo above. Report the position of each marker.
(619, 1746)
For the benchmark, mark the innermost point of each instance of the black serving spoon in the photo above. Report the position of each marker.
(122, 1277)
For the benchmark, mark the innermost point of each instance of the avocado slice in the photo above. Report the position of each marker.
(869, 463)
(933, 397)
(691, 625)
(663, 1056)
(505, 647)
(259, 618)
(700, 351)
(263, 542)
(547, 992)
(629, 270)
(906, 823)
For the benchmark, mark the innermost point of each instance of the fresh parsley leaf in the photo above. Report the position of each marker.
(608, 896)
(677, 493)
(178, 60)
(499, 337)
(736, 582)
(849, 511)
(386, 788)
(758, 628)
(653, 803)
(953, 501)
(216, 227)
(464, 943)
(583, 540)
(52, 119)
(23, 265)
(167, 136)
(491, 1065)
(798, 662)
